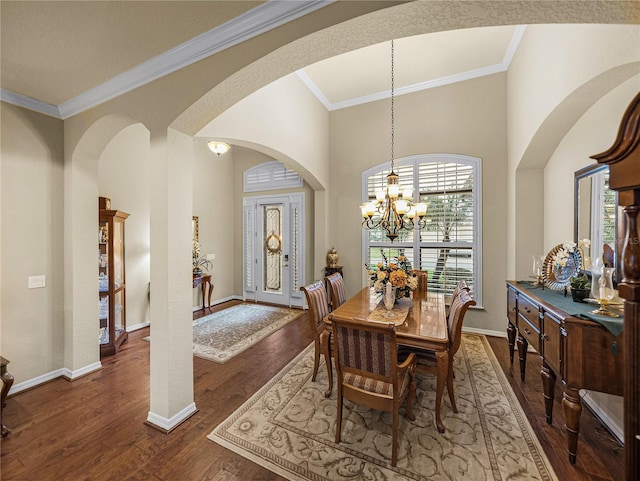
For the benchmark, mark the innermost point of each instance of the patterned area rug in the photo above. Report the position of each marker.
(221, 335)
(289, 427)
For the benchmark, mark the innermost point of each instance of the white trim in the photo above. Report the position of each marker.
(250, 24)
(71, 375)
(220, 301)
(407, 89)
(518, 33)
(484, 332)
(616, 430)
(311, 85)
(50, 376)
(171, 423)
(136, 327)
(29, 103)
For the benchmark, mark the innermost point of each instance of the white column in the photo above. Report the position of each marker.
(171, 185)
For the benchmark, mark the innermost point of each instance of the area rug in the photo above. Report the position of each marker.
(289, 428)
(221, 335)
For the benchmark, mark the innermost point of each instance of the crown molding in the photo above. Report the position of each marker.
(439, 82)
(256, 21)
(311, 85)
(29, 103)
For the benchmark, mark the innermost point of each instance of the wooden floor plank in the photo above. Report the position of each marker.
(93, 428)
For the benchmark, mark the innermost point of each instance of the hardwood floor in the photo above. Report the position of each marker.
(93, 428)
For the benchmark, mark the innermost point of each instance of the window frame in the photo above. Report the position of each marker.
(414, 161)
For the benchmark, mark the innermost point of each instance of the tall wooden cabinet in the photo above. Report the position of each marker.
(111, 281)
(623, 159)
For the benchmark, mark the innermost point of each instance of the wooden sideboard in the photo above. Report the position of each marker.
(583, 353)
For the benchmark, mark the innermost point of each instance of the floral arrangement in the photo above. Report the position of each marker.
(199, 261)
(397, 272)
(561, 257)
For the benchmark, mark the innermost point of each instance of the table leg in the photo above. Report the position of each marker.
(523, 346)
(210, 292)
(326, 336)
(511, 335)
(442, 358)
(549, 386)
(7, 382)
(204, 298)
(572, 408)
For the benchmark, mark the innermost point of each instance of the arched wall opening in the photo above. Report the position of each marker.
(82, 189)
(529, 176)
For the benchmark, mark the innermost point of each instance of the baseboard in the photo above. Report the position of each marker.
(615, 430)
(50, 376)
(220, 301)
(139, 326)
(484, 332)
(167, 425)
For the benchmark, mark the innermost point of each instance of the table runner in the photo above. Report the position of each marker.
(397, 315)
(577, 309)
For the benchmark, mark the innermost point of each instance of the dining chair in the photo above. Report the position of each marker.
(426, 361)
(368, 372)
(335, 283)
(318, 309)
(461, 285)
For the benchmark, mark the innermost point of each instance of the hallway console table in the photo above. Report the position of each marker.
(572, 343)
(207, 287)
(7, 382)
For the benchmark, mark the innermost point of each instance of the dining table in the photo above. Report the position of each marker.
(421, 322)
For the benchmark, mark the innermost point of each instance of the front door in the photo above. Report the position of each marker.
(273, 258)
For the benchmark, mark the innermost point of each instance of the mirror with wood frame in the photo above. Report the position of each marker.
(596, 215)
(194, 227)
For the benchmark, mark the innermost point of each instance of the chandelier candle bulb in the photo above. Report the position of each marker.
(402, 206)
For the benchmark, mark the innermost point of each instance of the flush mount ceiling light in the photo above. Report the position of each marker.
(218, 148)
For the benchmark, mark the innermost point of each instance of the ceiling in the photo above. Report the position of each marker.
(59, 53)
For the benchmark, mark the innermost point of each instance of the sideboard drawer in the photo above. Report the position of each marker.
(530, 311)
(529, 332)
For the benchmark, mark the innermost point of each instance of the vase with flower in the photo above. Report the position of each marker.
(199, 261)
(397, 272)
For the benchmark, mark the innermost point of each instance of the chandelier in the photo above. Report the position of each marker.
(394, 203)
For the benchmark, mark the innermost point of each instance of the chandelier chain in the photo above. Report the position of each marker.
(392, 105)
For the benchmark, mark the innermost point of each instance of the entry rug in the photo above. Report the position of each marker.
(221, 335)
(289, 428)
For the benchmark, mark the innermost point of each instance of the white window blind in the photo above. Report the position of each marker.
(449, 246)
(270, 175)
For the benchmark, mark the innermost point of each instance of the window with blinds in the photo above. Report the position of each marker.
(449, 244)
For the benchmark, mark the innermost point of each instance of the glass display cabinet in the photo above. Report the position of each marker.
(111, 281)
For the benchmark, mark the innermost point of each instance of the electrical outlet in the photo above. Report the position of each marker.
(36, 282)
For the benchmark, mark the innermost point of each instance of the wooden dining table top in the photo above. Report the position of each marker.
(425, 325)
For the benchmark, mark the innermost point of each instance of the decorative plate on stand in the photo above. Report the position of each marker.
(558, 277)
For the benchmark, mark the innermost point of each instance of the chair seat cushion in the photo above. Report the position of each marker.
(374, 385)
